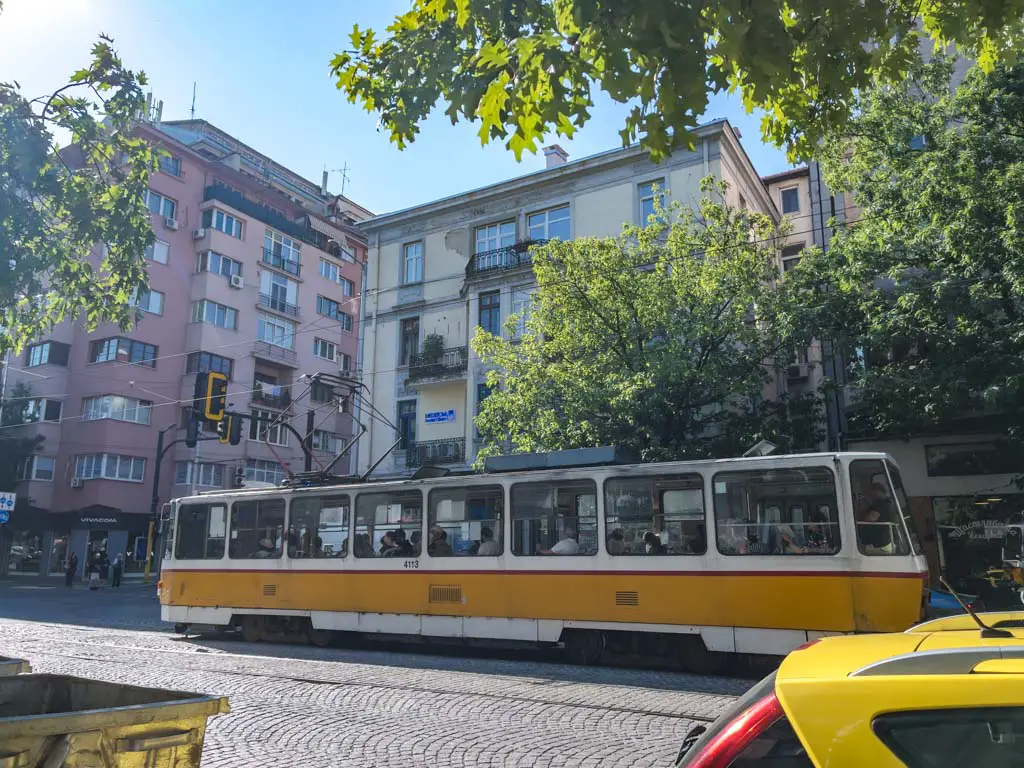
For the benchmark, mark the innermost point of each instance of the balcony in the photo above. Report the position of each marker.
(433, 452)
(277, 261)
(299, 230)
(509, 257)
(270, 395)
(278, 304)
(264, 350)
(451, 364)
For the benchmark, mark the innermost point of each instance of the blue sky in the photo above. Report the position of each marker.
(260, 68)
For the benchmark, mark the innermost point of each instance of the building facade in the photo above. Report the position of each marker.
(255, 273)
(438, 271)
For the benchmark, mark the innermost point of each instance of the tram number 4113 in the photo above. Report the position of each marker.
(412, 563)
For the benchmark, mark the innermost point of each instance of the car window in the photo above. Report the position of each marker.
(776, 747)
(991, 737)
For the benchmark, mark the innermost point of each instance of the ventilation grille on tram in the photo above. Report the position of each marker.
(445, 594)
(627, 598)
(270, 590)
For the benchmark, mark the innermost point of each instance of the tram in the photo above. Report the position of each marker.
(693, 560)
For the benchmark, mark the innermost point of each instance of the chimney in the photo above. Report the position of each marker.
(554, 156)
(323, 185)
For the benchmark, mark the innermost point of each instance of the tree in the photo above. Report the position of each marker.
(527, 68)
(927, 288)
(15, 445)
(57, 205)
(648, 341)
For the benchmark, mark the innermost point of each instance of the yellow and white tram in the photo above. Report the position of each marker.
(695, 559)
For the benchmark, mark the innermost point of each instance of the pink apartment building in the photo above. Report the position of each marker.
(256, 273)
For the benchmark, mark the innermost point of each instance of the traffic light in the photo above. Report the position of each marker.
(211, 394)
(229, 429)
(192, 430)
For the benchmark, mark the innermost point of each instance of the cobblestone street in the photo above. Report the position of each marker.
(304, 706)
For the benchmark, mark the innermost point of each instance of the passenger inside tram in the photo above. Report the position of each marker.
(567, 545)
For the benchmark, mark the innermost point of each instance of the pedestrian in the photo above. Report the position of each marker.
(118, 569)
(70, 569)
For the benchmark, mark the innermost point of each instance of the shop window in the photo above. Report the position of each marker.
(958, 459)
(318, 526)
(466, 521)
(388, 524)
(201, 532)
(777, 512)
(257, 527)
(554, 518)
(662, 515)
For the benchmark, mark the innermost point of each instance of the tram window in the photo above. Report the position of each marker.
(768, 512)
(556, 518)
(879, 528)
(257, 527)
(470, 519)
(201, 531)
(388, 524)
(659, 515)
(318, 526)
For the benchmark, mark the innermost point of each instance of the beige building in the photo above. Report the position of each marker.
(436, 271)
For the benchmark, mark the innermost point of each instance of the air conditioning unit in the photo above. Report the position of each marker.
(170, 223)
(797, 372)
(77, 482)
(199, 234)
(237, 281)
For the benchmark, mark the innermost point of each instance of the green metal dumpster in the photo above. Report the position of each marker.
(10, 666)
(58, 720)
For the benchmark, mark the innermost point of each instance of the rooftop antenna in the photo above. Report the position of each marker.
(192, 112)
(344, 176)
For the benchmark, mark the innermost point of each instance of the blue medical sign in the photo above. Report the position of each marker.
(7, 499)
(439, 417)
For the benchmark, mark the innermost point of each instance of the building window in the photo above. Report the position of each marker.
(279, 293)
(790, 200)
(202, 362)
(320, 392)
(206, 311)
(117, 408)
(122, 350)
(158, 251)
(327, 307)
(263, 471)
(206, 475)
(263, 428)
(412, 263)
(214, 218)
(407, 423)
(490, 312)
(331, 271)
(42, 409)
(211, 261)
(661, 515)
(331, 442)
(49, 352)
(110, 466)
(554, 518)
(409, 340)
(649, 192)
(492, 236)
(170, 165)
(324, 349)
(550, 224)
(151, 302)
(346, 321)
(274, 330)
(791, 256)
(281, 246)
(37, 468)
(160, 205)
(345, 362)
(522, 300)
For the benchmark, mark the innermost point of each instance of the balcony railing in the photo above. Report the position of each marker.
(278, 305)
(509, 257)
(263, 394)
(299, 230)
(430, 452)
(274, 353)
(277, 261)
(452, 363)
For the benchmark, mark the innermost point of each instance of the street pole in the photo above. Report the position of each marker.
(310, 426)
(155, 499)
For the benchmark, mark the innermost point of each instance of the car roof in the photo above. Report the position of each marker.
(957, 639)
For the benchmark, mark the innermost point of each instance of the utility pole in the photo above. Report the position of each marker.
(155, 500)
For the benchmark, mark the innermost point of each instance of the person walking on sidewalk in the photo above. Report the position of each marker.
(116, 570)
(70, 569)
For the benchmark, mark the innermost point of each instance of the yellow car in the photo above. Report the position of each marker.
(943, 693)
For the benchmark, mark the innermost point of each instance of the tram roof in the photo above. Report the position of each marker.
(795, 459)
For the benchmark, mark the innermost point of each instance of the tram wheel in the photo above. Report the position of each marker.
(584, 646)
(321, 638)
(696, 657)
(252, 628)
